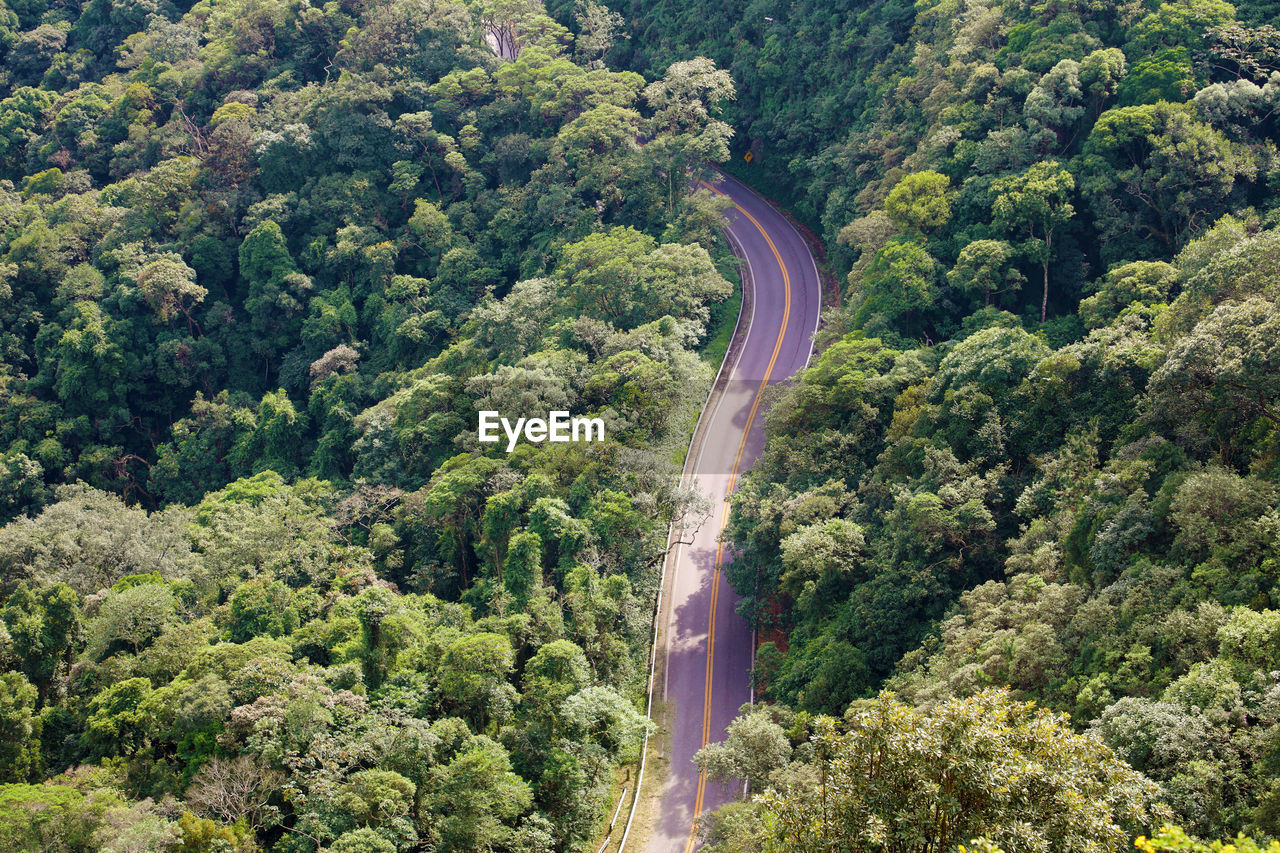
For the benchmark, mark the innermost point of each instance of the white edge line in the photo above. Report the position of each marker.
(817, 321)
(715, 413)
(813, 262)
(675, 558)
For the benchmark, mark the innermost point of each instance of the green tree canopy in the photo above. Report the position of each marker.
(983, 766)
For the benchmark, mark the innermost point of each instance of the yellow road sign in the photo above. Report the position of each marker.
(748, 156)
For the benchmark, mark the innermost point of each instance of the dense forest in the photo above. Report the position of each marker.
(262, 261)
(1037, 457)
(1013, 547)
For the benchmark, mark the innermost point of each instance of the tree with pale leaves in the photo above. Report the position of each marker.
(895, 778)
(684, 126)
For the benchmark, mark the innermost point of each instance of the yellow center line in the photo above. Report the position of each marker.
(724, 512)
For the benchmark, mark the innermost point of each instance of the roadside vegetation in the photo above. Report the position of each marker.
(260, 265)
(1038, 450)
(1014, 542)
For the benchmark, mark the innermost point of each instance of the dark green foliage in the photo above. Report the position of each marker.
(931, 112)
(261, 263)
(1065, 490)
(1090, 523)
(243, 244)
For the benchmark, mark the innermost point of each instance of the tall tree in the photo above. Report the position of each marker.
(1035, 203)
(685, 126)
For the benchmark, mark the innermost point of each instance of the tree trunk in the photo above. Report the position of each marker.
(1044, 296)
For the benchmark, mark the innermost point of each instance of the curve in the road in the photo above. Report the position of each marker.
(707, 646)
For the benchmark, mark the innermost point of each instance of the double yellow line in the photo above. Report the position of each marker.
(724, 511)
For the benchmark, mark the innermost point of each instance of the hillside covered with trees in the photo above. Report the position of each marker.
(260, 265)
(1039, 447)
(1013, 547)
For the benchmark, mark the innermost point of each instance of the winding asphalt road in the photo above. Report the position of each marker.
(707, 646)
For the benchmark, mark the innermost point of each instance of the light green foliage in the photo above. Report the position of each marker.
(1229, 262)
(475, 798)
(473, 678)
(603, 718)
(521, 392)
(273, 241)
(684, 103)
(1166, 76)
(119, 721)
(899, 284)
(93, 372)
(268, 240)
(754, 747)
(362, 840)
(260, 525)
(19, 728)
(1222, 376)
(817, 554)
(1003, 634)
(130, 619)
(868, 235)
(258, 607)
(1101, 73)
(1172, 838)
(625, 277)
(994, 360)
(1057, 101)
(557, 671)
(62, 815)
(514, 326)
(44, 630)
(372, 798)
(201, 835)
(734, 826)
(920, 202)
(169, 287)
(984, 267)
(522, 569)
(1146, 282)
(1035, 205)
(1249, 639)
(1237, 106)
(1193, 742)
(89, 539)
(136, 830)
(1179, 24)
(989, 766)
(598, 29)
(1078, 509)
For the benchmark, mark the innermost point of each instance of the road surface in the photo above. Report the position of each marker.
(707, 646)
